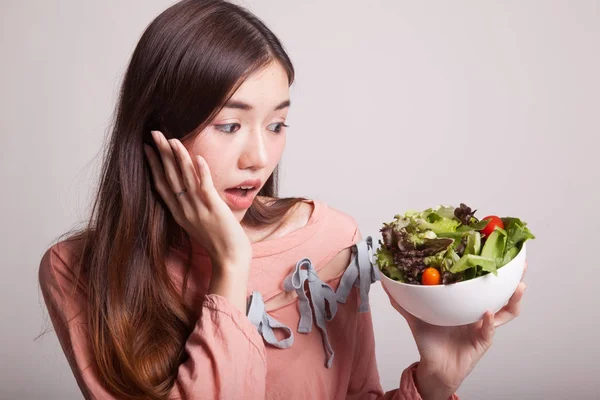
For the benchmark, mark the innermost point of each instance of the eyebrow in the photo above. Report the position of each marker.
(247, 107)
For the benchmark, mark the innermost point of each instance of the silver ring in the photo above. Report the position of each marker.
(182, 192)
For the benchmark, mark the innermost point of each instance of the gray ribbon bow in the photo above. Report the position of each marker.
(361, 273)
(265, 324)
(321, 294)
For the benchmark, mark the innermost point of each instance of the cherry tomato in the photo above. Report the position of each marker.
(431, 276)
(494, 222)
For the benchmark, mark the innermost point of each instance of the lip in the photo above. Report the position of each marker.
(256, 183)
(243, 202)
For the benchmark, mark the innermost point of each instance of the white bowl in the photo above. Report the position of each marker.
(459, 303)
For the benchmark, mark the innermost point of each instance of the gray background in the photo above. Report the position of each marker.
(397, 104)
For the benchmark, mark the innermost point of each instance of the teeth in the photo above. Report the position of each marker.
(245, 187)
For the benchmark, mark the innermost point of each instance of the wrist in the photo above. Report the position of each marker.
(230, 281)
(430, 384)
(230, 268)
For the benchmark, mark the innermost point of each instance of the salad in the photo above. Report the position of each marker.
(445, 245)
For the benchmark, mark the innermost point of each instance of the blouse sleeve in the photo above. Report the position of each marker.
(227, 356)
(364, 382)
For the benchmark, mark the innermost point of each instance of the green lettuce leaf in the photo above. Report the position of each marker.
(385, 260)
(436, 260)
(450, 259)
(419, 238)
(476, 226)
(472, 261)
(440, 225)
(494, 246)
(438, 219)
(445, 211)
(517, 232)
(473, 243)
(509, 255)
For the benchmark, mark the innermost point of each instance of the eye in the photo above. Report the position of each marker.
(228, 128)
(279, 126)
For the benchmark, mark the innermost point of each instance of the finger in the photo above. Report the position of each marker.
(160, 182)
(206, 182)
(524, 271)
(172, 173)
(488, 328)
(188, 171)
(513, 308)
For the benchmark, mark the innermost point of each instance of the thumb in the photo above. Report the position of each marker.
(487, 329)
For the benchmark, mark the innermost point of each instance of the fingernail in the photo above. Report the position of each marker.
(155, 135)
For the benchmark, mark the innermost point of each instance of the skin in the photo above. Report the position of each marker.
(237, 145)
(449, 353)
(215, 161)
(254, 148)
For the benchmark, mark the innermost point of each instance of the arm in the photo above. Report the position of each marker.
(364, 382)
(226, 353)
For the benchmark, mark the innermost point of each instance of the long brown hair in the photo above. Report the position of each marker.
(187, 64)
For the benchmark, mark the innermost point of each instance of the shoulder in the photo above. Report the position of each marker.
(342, 232)
(340, 226)
(64, 298)
(300, 214)
(56, 269)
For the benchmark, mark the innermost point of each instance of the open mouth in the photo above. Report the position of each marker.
(242, 196)
(242, 191)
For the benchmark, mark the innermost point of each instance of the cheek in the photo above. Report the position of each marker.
(215, 157)
(275, 150)
(221, 157)
(220, 167)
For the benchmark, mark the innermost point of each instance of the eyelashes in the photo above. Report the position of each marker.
(227, 128)
(281, 124)
(234, 127)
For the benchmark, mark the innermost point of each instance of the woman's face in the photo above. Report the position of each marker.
(246, 139)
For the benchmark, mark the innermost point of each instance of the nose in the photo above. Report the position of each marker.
(254, 154)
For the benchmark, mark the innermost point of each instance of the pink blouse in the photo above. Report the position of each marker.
(276, 351)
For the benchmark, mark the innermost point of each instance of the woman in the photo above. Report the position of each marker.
(190, 280)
